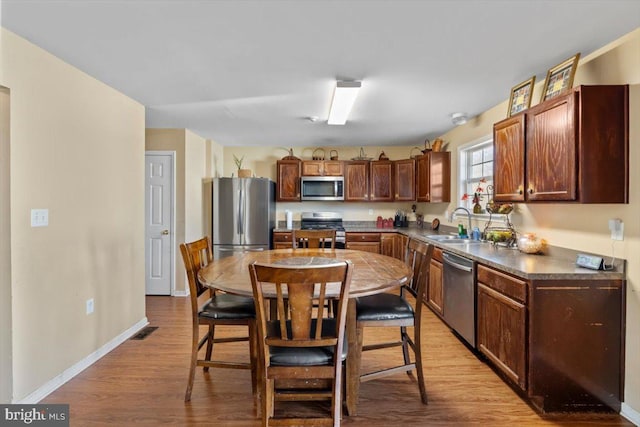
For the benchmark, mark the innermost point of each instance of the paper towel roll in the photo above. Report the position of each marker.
(289, 216)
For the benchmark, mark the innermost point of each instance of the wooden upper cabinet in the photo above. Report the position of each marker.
(356, 181)
(433, 177)
(333, 168)
(288, 188)
(551, 147)
(322, 168)
(572, 148)
(381, 181)
(405, 180)
(508, 159)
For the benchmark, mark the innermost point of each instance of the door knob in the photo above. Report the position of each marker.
(165, 232)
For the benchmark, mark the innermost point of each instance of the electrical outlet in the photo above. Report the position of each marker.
(370, 211)
(90, 306)
(617, 229)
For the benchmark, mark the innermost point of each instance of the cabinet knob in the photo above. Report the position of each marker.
(519, 190)
(530, 190)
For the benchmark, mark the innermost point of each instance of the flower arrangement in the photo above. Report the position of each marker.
(477, 196)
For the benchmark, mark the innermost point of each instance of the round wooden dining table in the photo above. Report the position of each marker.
(372, 274)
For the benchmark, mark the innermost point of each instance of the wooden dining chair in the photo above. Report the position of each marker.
(305, 239)
(218, 309)
(305, 343)
(314, 238)
(386, 309)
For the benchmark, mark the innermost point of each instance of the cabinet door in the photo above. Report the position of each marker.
(333, 168)
(393, 245)
(388, 244)
(508, 159)
(381, 181)
(288, 188)
(369, 242)
(401, 246)
(552, 150)
(364, 246)
(434, 291)
(433, 177)
(501, 333)
(423, 179)
(312, 168)
(405, 180)
(356, 181)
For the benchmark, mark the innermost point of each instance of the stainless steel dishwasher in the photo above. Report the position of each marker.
(460, 295)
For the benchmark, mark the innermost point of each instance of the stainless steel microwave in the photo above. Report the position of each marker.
(322, 188)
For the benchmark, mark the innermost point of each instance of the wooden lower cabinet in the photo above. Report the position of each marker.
(501, 333)
(561, 342)
(393, 245)
(435, 296)
(369, 242)
(282, 240)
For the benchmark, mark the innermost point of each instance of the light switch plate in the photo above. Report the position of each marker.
(590, 261)
(39, 217)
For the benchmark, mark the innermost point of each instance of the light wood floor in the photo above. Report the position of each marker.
(143, 382)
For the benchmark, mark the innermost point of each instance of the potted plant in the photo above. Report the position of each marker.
(242, 173)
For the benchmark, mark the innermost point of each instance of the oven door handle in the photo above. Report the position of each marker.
(447, 259)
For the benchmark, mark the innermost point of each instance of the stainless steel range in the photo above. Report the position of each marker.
(324, 221)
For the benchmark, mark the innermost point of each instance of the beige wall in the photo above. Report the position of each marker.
(6, 385)
(77, 149)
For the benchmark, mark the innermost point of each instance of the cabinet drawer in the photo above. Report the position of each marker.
(503, 283)
(363, 237)
(282, 237)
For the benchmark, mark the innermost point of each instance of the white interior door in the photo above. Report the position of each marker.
(159, 233)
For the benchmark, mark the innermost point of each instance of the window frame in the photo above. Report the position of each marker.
(464, 154)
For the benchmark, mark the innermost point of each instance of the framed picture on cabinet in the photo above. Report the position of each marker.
(560, 78)
(520, 98)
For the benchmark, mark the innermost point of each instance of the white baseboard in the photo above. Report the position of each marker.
(181, 293)
(631, 414)
(51, 385)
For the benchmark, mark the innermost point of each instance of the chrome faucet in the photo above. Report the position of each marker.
(468, 217)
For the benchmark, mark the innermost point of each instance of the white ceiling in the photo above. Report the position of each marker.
(251, 72)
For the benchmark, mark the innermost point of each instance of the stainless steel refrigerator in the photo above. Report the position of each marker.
(243, 215)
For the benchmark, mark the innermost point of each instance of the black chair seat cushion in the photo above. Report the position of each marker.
(383, 307)
(227, 306)
(304, 356)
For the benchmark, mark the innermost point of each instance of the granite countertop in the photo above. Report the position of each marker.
(556, 264)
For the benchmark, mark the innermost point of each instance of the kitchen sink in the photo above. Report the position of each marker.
(440, 237)
(451, 239)
(459, 241)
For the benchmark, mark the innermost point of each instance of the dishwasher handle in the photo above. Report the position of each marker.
(451, 260)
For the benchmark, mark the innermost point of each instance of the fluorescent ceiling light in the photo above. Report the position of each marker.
(343, 98)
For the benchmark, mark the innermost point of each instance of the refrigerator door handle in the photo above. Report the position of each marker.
(240, 212)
